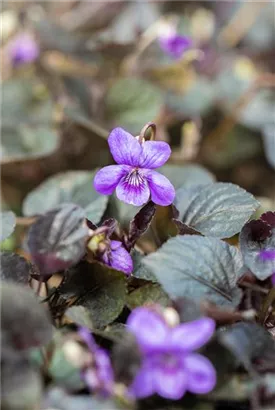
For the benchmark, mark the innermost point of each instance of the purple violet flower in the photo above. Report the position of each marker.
(118, 258)
(23, 49)
(134, 178)
(169, 367)
(98, 377)
(174, 44)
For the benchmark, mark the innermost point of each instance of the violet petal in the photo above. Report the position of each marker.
(162, 191)
(124, 147)
(201, 374)
(143, 384)
(107, 178)
(121, 259)
(154, 154)
(192, 335)
(175, 45)
(170, 381)
(149, 328)
(133, 189)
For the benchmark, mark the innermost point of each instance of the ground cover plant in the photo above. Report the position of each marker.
(138, 206)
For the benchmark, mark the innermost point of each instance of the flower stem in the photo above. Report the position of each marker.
(153, 129)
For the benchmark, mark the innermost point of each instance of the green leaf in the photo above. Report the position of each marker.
(8, 222)
(219, 210)
(150, 293)
(260, 110)
(198, 267)
(71, 186)
(28, 142)
(140, 271)
(80, 315)
(187, 175)
(97, 287)
(131, 102)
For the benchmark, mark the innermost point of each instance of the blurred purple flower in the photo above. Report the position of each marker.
(134, 178)
(23, 49)
(118, 257)
(169, 367)
(99, 377)
(174, 44)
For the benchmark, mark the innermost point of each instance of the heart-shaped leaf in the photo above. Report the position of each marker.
(97, 287)
(8, 222)
(257, 244)
(198, 267)
(148, 294)
(219, 210)
(15, 268)
(71, 186)
(57, 240)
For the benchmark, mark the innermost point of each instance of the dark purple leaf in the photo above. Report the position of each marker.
(184, 229)
(140, 224)
(24, 322)
(15, 268)
(57, 240)
(257, 239)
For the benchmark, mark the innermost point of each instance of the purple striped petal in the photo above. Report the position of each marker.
(124, 147)
(133, 189)
(170, 381)
(149, 328)
(154, 154)
(201, 375)
(162, 191)
(192, 335)
(143, 384)
(107, 178)
(121, 259)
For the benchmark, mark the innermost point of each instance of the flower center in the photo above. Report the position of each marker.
(134, 178)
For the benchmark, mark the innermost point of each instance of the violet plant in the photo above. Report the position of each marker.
(23, 49)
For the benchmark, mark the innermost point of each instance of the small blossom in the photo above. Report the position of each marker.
(23, 49)
(112, 253)
(99, 377)
(171, 42)
(269, 255)
(169, 367)
(134, 178)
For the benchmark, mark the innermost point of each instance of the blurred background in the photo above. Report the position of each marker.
(73, 70)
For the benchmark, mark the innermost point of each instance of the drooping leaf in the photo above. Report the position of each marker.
(148, 294)
(15, 268)
(198, 267)
(8, 222)
(57, 239)
(256, 237)
(187, 175)
(21, 385)
(269, 143)
(71, 186)
(97, 287)
(131, 102)
(219, 210)
(25, 323)
(248, 342)
(140, 223)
